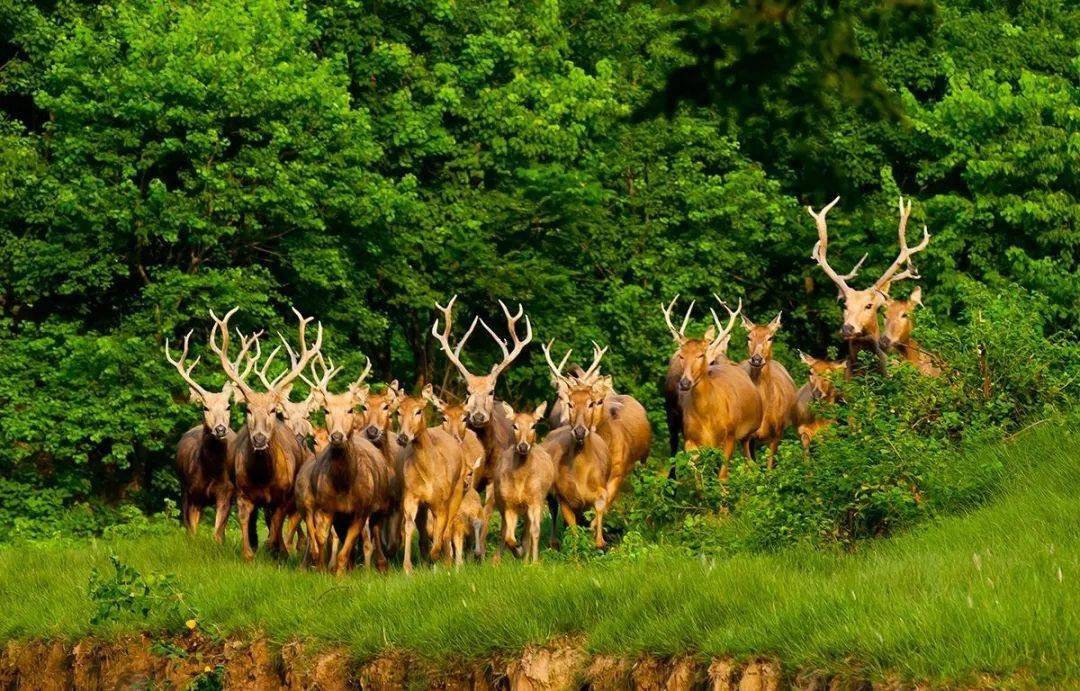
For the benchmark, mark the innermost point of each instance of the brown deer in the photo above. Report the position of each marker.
(375, 425)
(675, 369)
(455, 421)
(202, 453)
(899, 322)
(774, 384)
(434, 468)
(720, 405)
(624, 424)
(349, 480)
(818, 388)
(523, 479)
(581, 459)
(860, 328)
(469, 517)
(265, 454)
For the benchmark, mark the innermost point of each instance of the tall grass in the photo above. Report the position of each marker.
(993, 591)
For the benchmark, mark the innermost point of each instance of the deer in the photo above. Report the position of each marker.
(469, 517)
(349, 481)
(265, 455)
(624, 424)
(774, 385)
(433, 472)
(202, 452)
(374, 424)
(720, 404)
(523, 480)
(455, 422)
(483, 416)
(860, 328)
(818, 388)
(899, 322)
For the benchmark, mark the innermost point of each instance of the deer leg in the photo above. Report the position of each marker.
(728, 450)
(195, 514)
(536, 515)
(244, 511)
(313, 544)
(774, 445)
(457, 545)
(221, 516)
(553, 509)
(377, 541)
(598, 523)
(344, 555)
(409, 509)
(439, 535)
(489, 508)
(391, 532)
(369, 548)
(422, 527)
(510, 519)
(275, 525)
(292, 526)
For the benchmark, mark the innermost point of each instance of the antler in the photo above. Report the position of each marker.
(222, 350)
(329, 371)
(519, 344)
(678, 334)
(590, 375)
(724, 332)
(904, 257)
(454, 354)
(822, 245)
(298, 361)
(556, 370)
(179, 365)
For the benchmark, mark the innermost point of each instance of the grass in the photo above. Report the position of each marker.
(993, 591)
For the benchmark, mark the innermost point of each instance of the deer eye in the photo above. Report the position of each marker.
(515, 427)
(868, 306)
(904, 315)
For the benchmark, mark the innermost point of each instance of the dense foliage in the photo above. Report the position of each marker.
(362, 160)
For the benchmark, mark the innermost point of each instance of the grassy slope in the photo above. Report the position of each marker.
(993, 591)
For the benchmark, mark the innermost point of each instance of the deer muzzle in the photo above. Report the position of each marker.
(885, 342)
(260, 441)
(579, 433)
(524, 447)
(757, 361)
(478, 419)
(337, 438)
(403, 439)
(685, 384)
(373, 433)
(220, 431)
(847, 331)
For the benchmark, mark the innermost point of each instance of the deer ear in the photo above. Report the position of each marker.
(228, 388)
(428, 393)
(507, 410)
(476, 463)
(775, 323)
(882, 294)
(710, 333)
(320, 400)
(359, 394)
(538, 414)
(746, 323)
(807, 359)
(916, 296)
(193, 395)
(285, 393)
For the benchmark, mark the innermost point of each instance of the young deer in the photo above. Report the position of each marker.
(523, 479)
(349, 481)
(265, 455)
(899, 323)
(818, 388)
(774, 385)
(581, 459)
(374, 425)
(624, 424)
(860, 328)
(455, 422)
(469, 517)
(721, 406)
(675, 369)
(434, 468)
(202, 452)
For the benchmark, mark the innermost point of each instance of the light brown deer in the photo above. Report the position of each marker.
(375, 425)
(818, 388)
(523, 479)
(624, 424)
(899, 322)
(721, 406)
(434, 468)
(202, 452)
(455, 421)
(860, 328)
(774, 385)
(469, 516)
(582, 463)
(675, 369)
(265, 455)
(350, 479)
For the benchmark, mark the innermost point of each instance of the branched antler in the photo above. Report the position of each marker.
(679, 334)
(519, 343)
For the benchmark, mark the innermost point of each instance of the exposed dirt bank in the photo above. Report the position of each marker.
(143, 662)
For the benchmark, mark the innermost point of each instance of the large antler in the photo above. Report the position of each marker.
(179, 365)
(724, 333)
(904, 257)
(822, 245)
(556, 370)
(519, 344)
(319, 382)
(678, 334)
(222, 350)
(593, 372)
(299, 361)
(454, 354)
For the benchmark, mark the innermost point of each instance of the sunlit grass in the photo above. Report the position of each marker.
(993, 591)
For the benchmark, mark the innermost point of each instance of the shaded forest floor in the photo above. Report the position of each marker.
(992, 592)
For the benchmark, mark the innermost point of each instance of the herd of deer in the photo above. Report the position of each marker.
(376, 475)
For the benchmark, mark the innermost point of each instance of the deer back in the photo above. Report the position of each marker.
(433, 464)
(777, 390)
(723, 404)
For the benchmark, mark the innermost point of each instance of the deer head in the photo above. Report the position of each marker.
(411, 420)
(338, 408)
(379, 410)
(698, 356)
(524, 427)
(215, 404)
(759, 340)
(899, 319)
(582, 395)
(861, 306)
(454, 416)
(480, 401)
(261, 406)
(821, 386)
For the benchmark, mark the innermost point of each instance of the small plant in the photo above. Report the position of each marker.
(212, 679)
(127, 592)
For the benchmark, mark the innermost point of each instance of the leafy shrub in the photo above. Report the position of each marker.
(127, 592)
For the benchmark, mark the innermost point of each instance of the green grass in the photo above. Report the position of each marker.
(992, 591)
